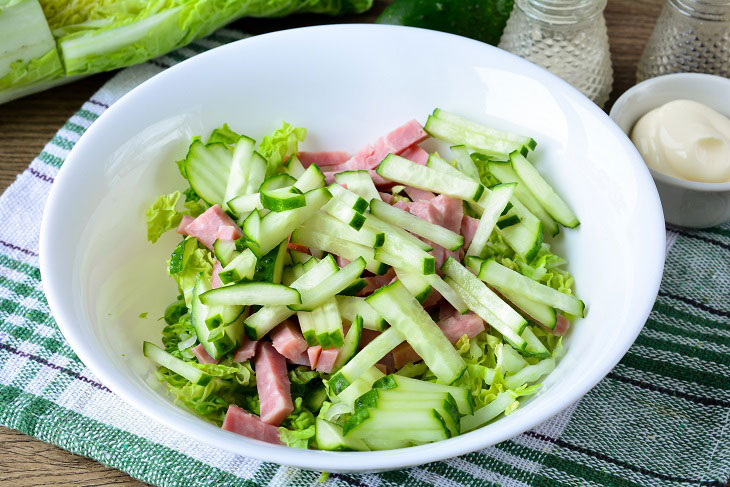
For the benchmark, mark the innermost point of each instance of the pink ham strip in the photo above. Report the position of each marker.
(327, 360)
(183, 225)
(205, 227)
(387, 197)
(433, 299)
(227, 232)
(302, 359)
(313, 354)
(402, 205)
(246, 351)
(215, 280)
(341, 261)
(322, 158)
(415, 154)
(288, 341)
(272, 383)
(246, 424)
(418, 194)
(561, 327)
(468, 229)
(203, 356)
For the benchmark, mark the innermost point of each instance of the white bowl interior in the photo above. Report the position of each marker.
(100, 273)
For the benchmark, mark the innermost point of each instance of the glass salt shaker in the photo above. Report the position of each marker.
(689, 36)
(567, 37)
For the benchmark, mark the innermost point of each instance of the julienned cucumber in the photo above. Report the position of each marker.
(326, 223)
(399, 253)
(351, 307)
(329, 436)
(349, 347)
(185, 369)
(405, 314)
(406, 172)
(314, 297)
(240, 167)
(462, 395)
(243, 266)
(420, 425)
(247, 293)
(435, 233)
(344, 248)
(493, 205)
(359, 182)
(497, 275)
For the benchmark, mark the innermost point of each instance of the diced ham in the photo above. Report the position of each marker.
(205, 227)
(387, 362)
(562, 326)
(183, 225)
(376, 282)
(322, 158)
(215, 280)
(227, 232)
(419, 194)
(298, 248)
(468, 229)
(313, 354)
(451, 211)
(433, 299)
(425, 210)
(341, 261)
(302, 359)
(458, 325)
(386, 197)
(244, 423)
(246, 351)
(203, 356)
(272, 383)
(404, 354)
(382, 368)
(366, 337)
(402, 205)
(415, 154)
(288, 340)
(327, 360)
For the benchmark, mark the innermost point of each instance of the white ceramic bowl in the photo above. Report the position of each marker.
(347, 84)
(686, 203)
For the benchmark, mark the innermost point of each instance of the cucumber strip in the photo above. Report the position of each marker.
(327, 324)
(377, 225)
(243, 266)
(294, 167)
(314, 297)
(455, 119)
(505, 174)
(225, 251)
(526, 237)
(404, 313)
(488, 412)
(535, 347)
(329, 436)
(474, 264)
(256, 173)
(377, 444)
(464, 162)
(422, 425)
(485, 303)
(265, 319)
(348, 198)
(416, 284)
(221, 315)
(240, 163)
(462, 395)
(349, 347)
(403, 171)
(449, 294)
(282, 199)
(546, 195)
(326, 223)
(352, 307)
(493, 205)
(242, 205)
(499, 276)
(343, 212)
(207, 168)
(508, 220)
(338, 246)
(398, 253)
(308, 325)
(198, 314)
(311, 179)
(543, 314)
(509, 359)
(277, 181)
(299, 257)
(359, 182)
(529, 374)
(263, 236)
(365, 358)
(436, 163)
(360, 386)
(354, 288)
(270, 267)
(185, 369)
(435, 233)
(246, 293)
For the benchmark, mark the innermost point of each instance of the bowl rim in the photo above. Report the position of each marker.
(656, 84)
(325, 460)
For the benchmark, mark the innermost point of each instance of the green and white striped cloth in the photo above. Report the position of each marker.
(661, 417)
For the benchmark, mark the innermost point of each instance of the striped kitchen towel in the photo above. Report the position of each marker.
(659, 418)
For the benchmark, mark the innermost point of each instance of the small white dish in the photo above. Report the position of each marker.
(347, 84)
(686, 203)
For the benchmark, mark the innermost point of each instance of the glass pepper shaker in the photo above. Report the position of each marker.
(689, 36)
(567, 37)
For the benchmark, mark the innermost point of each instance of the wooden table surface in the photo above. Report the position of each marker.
(27, 124)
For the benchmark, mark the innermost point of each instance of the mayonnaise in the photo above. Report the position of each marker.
(687, 140)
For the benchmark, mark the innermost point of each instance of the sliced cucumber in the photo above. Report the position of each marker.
(243, 205)
(399, 253)
(221, 315)
(243, 266)
(535, 347)
(348, 198)
(343, 212)
(421, 425)
(207, 168)
(225, 251)
(464, 162)
(404, 313)
(403, 171)
(283, 199)
(484, 302)
(311, 178)
(416, 284)
(240, 166)
(435, 233)
(327, 324)
(493, 205)
(270, 267)
(344, 248)
(504, 172)
(359, 182)
(351, 307)
(545, 194)
(227, 338)
(488, 412)
(543, 314)
(185, 369)
(299, 257)
(449, 293)
(326, 223)
(526, 237)
(360, 386)
(247, 293)
(501, 277)
(351, 342)
(294, 167)
(462, 395)
(256, 173)
(377, 225)
(329, 436)
(354, 288)
(314, 297)
(365, 359)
